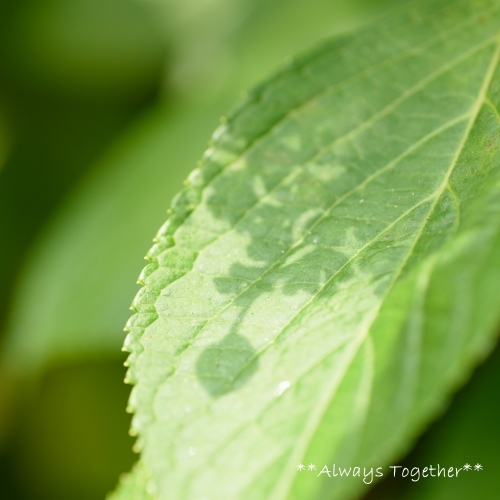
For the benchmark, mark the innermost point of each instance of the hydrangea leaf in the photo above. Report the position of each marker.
(331, 272)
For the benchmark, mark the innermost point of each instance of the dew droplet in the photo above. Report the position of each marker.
(282, 387)
(315, 240)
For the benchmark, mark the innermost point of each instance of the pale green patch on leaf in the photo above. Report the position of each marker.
(331, 271)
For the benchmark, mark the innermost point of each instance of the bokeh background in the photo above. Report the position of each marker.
(105, 107)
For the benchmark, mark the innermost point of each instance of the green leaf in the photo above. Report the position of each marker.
(90, 50)
(133, 485)
(332, 270)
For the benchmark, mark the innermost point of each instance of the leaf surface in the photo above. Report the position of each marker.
(331, 272)
(133, 485)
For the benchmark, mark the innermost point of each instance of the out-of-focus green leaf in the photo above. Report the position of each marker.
(86, 49)
(71, 439)
(240, 42)
(43, 163)
(72, 72)
(4, 141)
(77, 288)
(315, 274)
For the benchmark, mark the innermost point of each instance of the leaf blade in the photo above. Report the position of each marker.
(256, 259)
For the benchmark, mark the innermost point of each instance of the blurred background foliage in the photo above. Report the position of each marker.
(105, 106)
